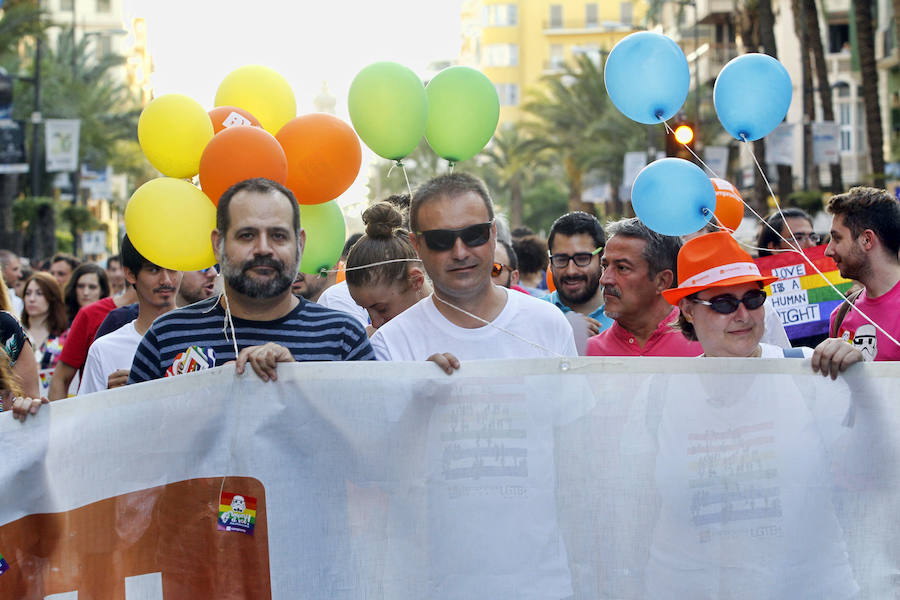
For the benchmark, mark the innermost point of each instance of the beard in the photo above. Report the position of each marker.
(238, 278)
(592, 283)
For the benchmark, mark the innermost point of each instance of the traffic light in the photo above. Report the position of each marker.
(682, 136)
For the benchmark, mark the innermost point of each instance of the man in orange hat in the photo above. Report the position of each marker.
(638, 265)
(865, 241)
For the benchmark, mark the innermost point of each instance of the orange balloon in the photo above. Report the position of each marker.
(225, 117)
(323, 154)
(239, 153)
(729, 205)
(551, 287)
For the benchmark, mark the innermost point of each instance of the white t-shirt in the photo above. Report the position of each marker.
(338, 297)
(110, 353)
(526, 328)
(17, 304)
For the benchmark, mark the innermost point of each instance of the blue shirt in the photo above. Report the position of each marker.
(598, 314)
(310, 331)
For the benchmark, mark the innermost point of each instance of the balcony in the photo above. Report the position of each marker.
(714, 58)
(710, 11)
(574, 26)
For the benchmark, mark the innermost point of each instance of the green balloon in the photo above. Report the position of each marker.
(388, 109)
(325, 233)
(463, 111)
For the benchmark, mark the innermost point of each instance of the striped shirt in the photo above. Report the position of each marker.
(310, 331)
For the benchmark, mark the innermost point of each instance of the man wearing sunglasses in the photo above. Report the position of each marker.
(506, 267)
(638, 265)
(575, 243)
(467, 317)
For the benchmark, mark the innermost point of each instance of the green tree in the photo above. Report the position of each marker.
(576, 126)
(509, 157)
(868, 70)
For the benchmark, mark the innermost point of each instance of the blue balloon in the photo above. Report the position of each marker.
(673, 197)
(647, 77)
(752, 96)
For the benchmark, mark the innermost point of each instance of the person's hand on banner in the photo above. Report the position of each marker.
(22, 407)
(446, 361)
(117, 378)
(834, 355)
(263, 359)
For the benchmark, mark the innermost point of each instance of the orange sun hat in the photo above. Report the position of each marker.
(713, 260)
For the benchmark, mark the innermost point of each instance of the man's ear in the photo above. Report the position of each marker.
(414, 240)
(301, 241)
(514, 277)
(664, 279)
(129, 276)
(216, 238)
(868, 238)
(687, 309)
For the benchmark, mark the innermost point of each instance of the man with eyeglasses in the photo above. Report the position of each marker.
(575, 243)
(638, 265)
(466, 317)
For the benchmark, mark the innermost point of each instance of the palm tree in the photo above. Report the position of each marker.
(508, 156)
(577, 127)
(869, 74)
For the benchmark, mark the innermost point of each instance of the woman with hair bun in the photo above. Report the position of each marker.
(385, 289)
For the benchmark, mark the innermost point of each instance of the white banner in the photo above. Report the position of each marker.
(585, 478)
(826, 142)
(61, 142)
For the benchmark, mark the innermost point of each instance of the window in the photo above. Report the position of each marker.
(557, 56)
(501, 15)
(501, 55)
(556, 16)
(509, 93)
(590, 14)
(104, 6)
(626, 12)
(838, 38)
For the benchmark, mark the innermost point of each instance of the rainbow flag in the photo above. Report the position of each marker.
(236, 513)
(4, 566)
(802, 298)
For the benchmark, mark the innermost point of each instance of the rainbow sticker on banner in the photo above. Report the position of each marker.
(236, 513)
(801, 297)
(4, 566)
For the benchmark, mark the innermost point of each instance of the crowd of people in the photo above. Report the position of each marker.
(439, 277)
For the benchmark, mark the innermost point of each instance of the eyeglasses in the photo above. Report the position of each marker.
(815, 238)
(472, 236)
(581, 259)
(728, 303)
(498, 268)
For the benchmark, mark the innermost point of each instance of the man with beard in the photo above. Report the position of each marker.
(865, 241)
(109, 358)
(638, 264)
(258, 244)
(576, 240)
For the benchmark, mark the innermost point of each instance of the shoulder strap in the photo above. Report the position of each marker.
(793, 352)
(842, 311)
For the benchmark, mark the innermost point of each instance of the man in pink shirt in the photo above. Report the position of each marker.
(865, 241)
(638, 264)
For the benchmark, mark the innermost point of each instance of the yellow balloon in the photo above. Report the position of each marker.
(262, 92)
(173, 131)
(169, 221)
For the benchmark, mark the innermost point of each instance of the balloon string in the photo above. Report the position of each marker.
(452, 164)
(374, 264)
(405, 176)
(797, 247)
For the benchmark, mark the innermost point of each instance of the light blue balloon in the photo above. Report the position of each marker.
(673, 197)
(647, 77)
(752, 96)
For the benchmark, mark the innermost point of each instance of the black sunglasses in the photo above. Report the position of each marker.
(441, 240)
(727, 303)
(581, 259)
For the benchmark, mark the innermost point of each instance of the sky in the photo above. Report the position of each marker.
(196, 43)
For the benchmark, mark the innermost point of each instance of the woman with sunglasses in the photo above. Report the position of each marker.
(384, 289)
(744, 459)
(720, 295)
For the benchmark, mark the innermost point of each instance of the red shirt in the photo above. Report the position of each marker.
(82, 332)
(665, 341)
